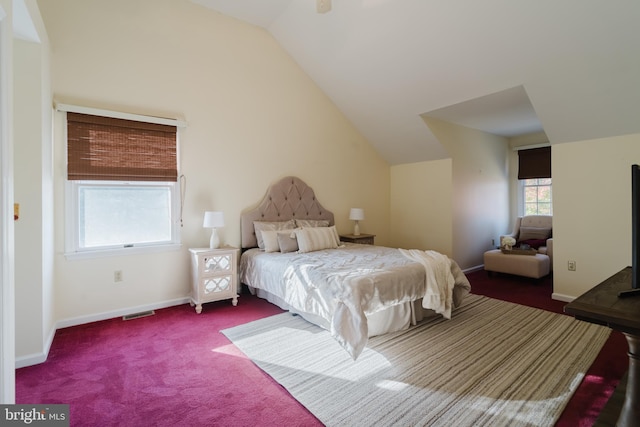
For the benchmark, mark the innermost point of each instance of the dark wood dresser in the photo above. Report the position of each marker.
(602, 305)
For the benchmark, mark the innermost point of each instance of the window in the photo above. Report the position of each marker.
(122, 185)
(122, 214)
(536, 196)
(534, 178)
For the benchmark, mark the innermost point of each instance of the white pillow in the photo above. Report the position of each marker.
(270, 240)
(287, 241)
(279, 240)
(312, 223)
(260, 226)
(315, 239)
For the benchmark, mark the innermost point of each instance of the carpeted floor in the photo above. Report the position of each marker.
(493, 364)
(171, 369)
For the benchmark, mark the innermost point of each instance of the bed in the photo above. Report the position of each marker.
(292, 257)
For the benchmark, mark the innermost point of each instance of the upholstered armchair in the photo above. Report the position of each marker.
(536, 231)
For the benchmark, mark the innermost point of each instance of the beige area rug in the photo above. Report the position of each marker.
(495, 363)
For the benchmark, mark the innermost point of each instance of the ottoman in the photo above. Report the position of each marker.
(534, 266)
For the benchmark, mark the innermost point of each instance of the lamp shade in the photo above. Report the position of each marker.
(213, 219)
(356, 214)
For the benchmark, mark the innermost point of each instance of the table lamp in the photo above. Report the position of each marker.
(213, 220)
(356, 215)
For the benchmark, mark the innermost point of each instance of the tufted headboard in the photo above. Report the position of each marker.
(289, 198)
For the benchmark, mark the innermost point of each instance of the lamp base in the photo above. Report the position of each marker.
(356, 229)
(214, 242)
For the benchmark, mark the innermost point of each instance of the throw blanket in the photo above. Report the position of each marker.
(439, 280)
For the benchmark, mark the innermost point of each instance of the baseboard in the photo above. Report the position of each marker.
(562, 297)
(81, 320)
(31, 359)
(473, 269)
(37, 358)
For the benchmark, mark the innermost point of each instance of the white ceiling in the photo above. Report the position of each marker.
(509, 67)
(23, 27)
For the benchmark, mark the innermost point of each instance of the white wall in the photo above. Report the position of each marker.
(592, 210)
(28, 193)
(7, 286)
(35, 322)
(253, 117)
(421, 206)
(456, 206)
(480, 189)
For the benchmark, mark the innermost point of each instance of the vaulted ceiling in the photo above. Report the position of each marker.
(570, 68)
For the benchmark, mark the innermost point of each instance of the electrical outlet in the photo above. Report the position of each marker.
(571, 265)
(117, 276)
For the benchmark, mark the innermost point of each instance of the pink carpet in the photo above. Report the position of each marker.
(171, 369)
(176, 368)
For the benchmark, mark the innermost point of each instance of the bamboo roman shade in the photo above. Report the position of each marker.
(534, 163)
(105, 148)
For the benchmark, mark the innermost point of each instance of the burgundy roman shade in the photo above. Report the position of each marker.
(105, 148)
(534, 163)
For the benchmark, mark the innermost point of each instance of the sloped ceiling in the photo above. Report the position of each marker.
(511, 67)
(23, 27)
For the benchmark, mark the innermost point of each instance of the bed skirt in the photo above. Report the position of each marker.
(392, 319)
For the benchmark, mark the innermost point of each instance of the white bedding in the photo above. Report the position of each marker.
(342, 286)
(439, 282)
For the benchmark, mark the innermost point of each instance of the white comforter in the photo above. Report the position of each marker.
(341, 285)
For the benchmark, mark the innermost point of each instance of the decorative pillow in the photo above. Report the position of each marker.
(315, 239)
(270, 240)
(260, 226)
(528, 233)
(312, 223)
(287, 241)
(279, 241)
(336, 235)
(534, 243)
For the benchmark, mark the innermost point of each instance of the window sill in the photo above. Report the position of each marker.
(101, 253)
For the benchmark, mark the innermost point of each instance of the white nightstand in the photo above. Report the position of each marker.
(214, 275)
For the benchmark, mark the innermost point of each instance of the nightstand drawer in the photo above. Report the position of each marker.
(215, 288)
(217, 263)
(363, 239)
